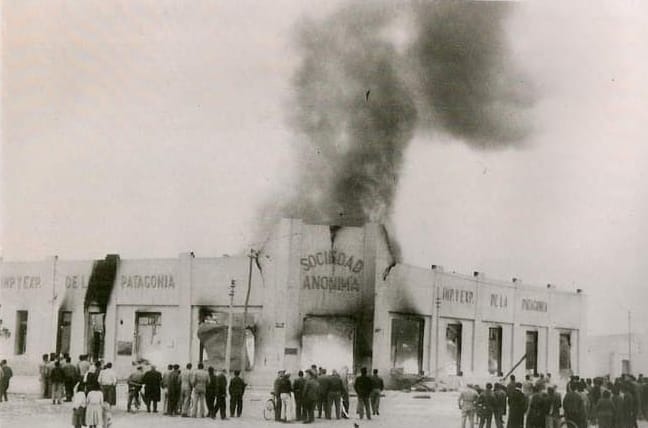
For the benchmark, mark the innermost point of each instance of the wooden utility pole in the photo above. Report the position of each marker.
(253, 256)
(228, 345)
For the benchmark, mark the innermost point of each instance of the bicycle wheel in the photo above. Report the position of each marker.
(567, 424)
(269, 410)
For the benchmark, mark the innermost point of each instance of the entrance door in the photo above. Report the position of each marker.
(147, 335)
(21, 332)
(64, 332)
(95, 335)
(328, 342)
(532, 352)
(453, 349)
(495, 350)
(564, 358)
(407, 344)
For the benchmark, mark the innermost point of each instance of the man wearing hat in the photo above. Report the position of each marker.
(310, 396)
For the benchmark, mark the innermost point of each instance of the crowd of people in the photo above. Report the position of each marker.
(537, 403)
(323, 392)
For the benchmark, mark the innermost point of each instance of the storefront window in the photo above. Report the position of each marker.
(565, 352)
(453, 349)
(407, 344)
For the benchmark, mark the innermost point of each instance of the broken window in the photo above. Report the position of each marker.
(64, 332)
(495, 350)
(407, 344)
(564, 359)
(453, 349)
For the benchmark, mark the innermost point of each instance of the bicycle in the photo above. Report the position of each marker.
(566, 423)
(269, 409)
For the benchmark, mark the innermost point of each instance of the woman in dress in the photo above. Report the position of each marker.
(94, 407)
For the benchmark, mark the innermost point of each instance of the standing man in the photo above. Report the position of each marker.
(517, 407)
(135, 382)
(574, 408)
(210, 392)
(363, 386)
(487, 401)
(553, 418)
(282, 392)
(42, 376)
(174, 391)
(152, 383)
(50, 367)
(221, 395)
(500, 405)
(71, 378)
(467, 403)
(310, 397)
(200, 379)
(186, 378)
(57, 377)
(323, 380)
(164, 392)
(377, 387)
(236, 391)
(108, 382)
(298, 389)
(335, 388)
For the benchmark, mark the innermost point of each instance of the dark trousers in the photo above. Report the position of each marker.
(236, 405)
(277, 405)
(334, 398)
(309, 410)
(485, 420)
(148, 405)
(210, 397)
(363, 405)
(69, 389)
(321, 405)
(299, 405)
(174, 398)
(499, 419)
(220, 406)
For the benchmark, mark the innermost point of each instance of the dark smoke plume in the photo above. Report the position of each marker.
(360, 95)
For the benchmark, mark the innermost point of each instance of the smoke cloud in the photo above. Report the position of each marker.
(373, 75)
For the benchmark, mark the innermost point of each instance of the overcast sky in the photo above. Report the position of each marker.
(150, 128)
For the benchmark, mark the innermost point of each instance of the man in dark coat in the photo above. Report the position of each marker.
(310, 396)
(574, 408)
(57, 377)
(334, 397)
(604, 411)
(538, 409)
(71, 372)
(486, 404)
(210, 392)
(363, 386)
(173, 389)
(221, 396)
(323, 391)
(500, 405)
(630, 404)
(298, 390)
(620, 420)
(555, 403)
(517, 407)
(152, 383)
(236, 391)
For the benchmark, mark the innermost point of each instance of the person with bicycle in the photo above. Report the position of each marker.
(135, 383)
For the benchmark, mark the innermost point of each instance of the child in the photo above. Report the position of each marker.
(78, 405)
(107, 415)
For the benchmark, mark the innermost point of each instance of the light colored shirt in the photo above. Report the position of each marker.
(79, 399)
(468, 399)
(107, 377)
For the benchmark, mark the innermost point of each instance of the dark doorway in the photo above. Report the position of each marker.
(64, 332)
(532, 352)
(407, 344)
(21, 332)
(495, 351)
(453, 347)
(328, 342)
(95, 335)
(564, 358)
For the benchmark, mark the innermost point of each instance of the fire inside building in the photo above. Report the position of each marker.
(314, 294)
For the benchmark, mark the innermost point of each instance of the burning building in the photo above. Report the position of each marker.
(318, 294)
